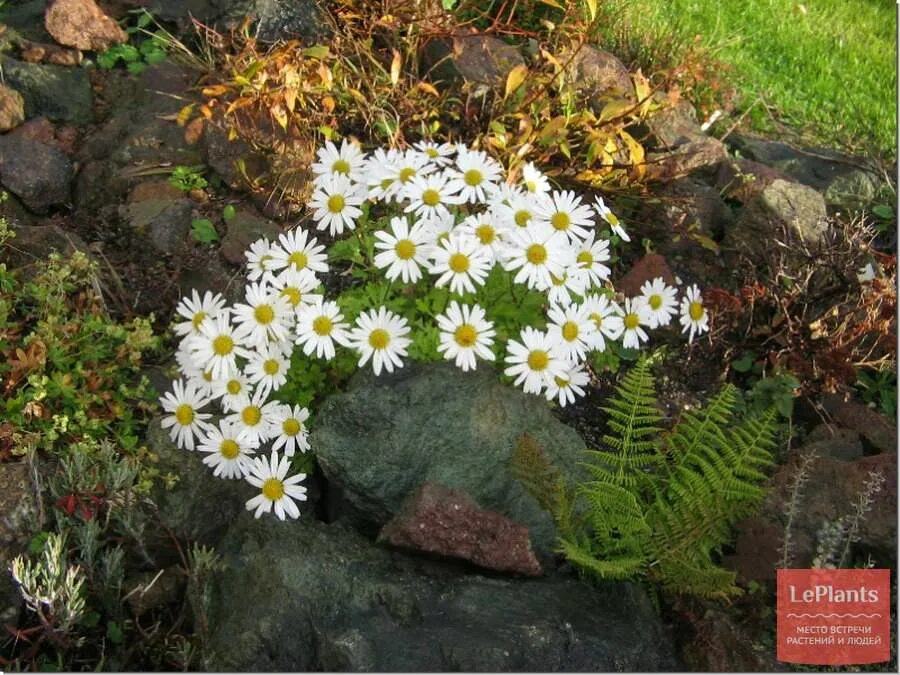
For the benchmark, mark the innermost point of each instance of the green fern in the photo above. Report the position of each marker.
(662, 506)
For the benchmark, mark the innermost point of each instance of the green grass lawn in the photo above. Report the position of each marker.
(826, 66)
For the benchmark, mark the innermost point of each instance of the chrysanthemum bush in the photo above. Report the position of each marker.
(441, 255)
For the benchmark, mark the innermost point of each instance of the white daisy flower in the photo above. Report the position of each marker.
(259, 259)
(297, 252)
(195, 309)
(474, 176)
(349, 162)
(277, 491)
(566, 387)
(486, 229)
(534, 181)
(438, 227)
(573, 280)
(228, 451)
(381, 178)
(217, 347)
(267, 369)
(537, 253)
(564, 212)
(202, 380)
(185, 421)
(607, 318)
(232, 391)
(661, 302)
(504, 194)
(395, 175)
(254, 417)
(694, 317)
(297, 288)
(439, 155)
(518, 211)
(429, 196)
(591, 255)
(335, 204)
(266, 315)
(465, 334)
(610, 219)
(319, 326)
(461, 262)
(572, 328)
(634, 317)
(534, 361)
(381, 336)
(289, 429)
(403, 250)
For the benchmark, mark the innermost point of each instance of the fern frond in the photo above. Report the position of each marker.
(614, 568)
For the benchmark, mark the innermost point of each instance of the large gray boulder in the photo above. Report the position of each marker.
(40, 175)
(303, 595)
(385, 436)
(59, 93)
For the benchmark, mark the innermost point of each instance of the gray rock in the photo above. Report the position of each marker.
(845, 181)
(288, 20)
(601, 75)
(18, 522)
(303, 595)
(384, 436)
(479, 59)
(674, 126)
(41, 176)
(33, 243)
(224, 156)
(199, 507)
(59, 93)
(156, 210)
(784, 211)
(246, 227)
(27, 17)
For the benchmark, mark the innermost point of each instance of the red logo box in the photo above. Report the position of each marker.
(834, 617)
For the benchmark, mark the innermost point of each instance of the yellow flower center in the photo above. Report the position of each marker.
(291, 427)
(585, 258)
(536, 254)
(273, 489)
(386, 183)
(233, 387)
(271, 367)
(655, 301)
(531, 186)
(293, 295)
(379, 338)
(632, 321)
(570, 331)
(432, 153)
(486, 234)
(597, 319)
(560, 221)
(611, 219)
(207, 376)
(459, 263)
(558, 281)
(431, 197)
(561, 382)
(336, 203)
(198, 319)
(184, 414)
(264, 262)
(405, 249)
(264, 314)
(465, 335)
(696, 311)
(406, 174)
(251, 415)
(229, 449)
(522, 217)
(298, 260)
(538, 360)
(473, 177)
(322, 326)
(341, 166)
(222, 345)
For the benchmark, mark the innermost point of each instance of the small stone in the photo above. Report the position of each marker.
(436, 519)
(873, 426)
(646, 269)
(33, 243)
(674, 126)
(83, 25)
(12, 108)
(743, 179)
(601, 75)
(688, 157)
(38, 174)
(245, 228)
(225, 157)
(38, 52)
(59, 93)
(151, 590)
(165, 221)
(480, 59)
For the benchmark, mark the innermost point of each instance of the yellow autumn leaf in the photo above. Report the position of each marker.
(396, 63)
(515, 79)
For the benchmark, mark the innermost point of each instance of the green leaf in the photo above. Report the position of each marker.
(317, 52)
(115, 633)
(745, 363)
(203, 230)
(883, 211)
(137, 67)
(228, 212)
(785, 405)
(449, 4)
